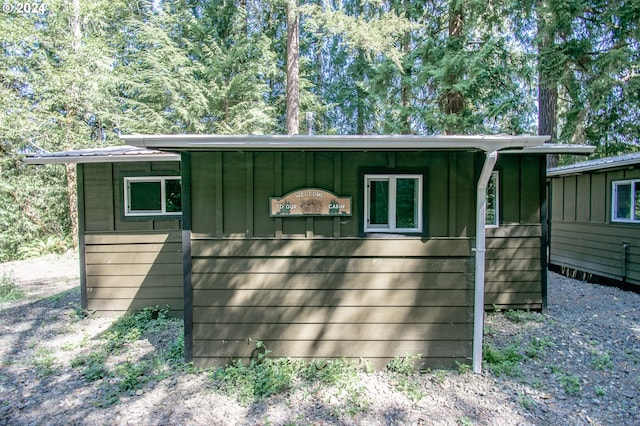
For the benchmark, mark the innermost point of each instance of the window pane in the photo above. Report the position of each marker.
(145, 196)
(623, 201)
(172, 191)
(379, 202)
(407, 203)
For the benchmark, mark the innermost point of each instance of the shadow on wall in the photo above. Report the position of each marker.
(372, 299)
(129, 272)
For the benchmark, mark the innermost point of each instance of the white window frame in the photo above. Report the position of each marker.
(614, 200)
(163, 196)
(494, 175)
(391, 227)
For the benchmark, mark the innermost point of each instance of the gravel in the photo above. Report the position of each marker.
(576, 364)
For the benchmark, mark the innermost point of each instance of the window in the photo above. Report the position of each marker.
(393, 203)
(626, 201)
(152, 196)
(492, 219)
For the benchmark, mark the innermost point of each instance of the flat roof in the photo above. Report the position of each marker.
(596, 164)
(191, 142)
(122, 153)
(167, 147)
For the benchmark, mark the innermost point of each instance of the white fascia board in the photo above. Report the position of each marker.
(553, 149)
(57, 159)
(332, 142)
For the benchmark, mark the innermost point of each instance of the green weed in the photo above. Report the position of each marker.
(465, 421)
(9, 290)
(502, 361)
(440, 375)
(463, 368)
(131, 375)
(404, 365)
(570, 383)
(518, 317)
(537, 347)
(258, 380)
(405, 377)
(44, 362)
(601, 361)
(526, 401)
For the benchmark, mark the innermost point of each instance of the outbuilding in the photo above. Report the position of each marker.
(595, 219)
(326, 246)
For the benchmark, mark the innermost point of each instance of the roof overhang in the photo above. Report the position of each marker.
(185, 142)
(115, 154)
(608, 163)
(554, 148)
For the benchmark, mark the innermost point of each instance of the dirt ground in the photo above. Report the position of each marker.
(579, 364)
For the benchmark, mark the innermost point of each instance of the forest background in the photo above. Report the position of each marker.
(76, 74)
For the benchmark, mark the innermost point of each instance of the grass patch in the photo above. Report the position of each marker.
(44, 362)
(503, 361)
(405, 379)
(538, 347)
(519, 317)
(131, 375)
(264, 376)
(601, 360)
(9, 290)
(570, 383)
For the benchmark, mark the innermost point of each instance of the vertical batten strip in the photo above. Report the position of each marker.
(309, 182)
(337, 189)
(278, 190)
(219, 196)
(186, 256)
(452, 215)
(249, 196)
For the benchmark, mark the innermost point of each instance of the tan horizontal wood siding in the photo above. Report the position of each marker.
(126, 272)
(127, 264)
(513, 277)
(316, 298)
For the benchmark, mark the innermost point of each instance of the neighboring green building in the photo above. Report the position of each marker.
(595, 219)
(319, 246)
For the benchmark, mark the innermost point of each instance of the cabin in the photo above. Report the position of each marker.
(318, 246)
(130, 250)
(595, 220)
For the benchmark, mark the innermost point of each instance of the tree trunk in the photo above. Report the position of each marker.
(405, 85)
(547, 87)
(454, 99)
(293, 68)
(72, 189)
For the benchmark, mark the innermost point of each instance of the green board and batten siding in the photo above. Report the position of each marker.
(583, 237)
(515, 268)
(317, 287)
(128, 264)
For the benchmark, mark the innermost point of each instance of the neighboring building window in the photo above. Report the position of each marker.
(152, 196)
(393, 203)
(626, 201)
(492, 219)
